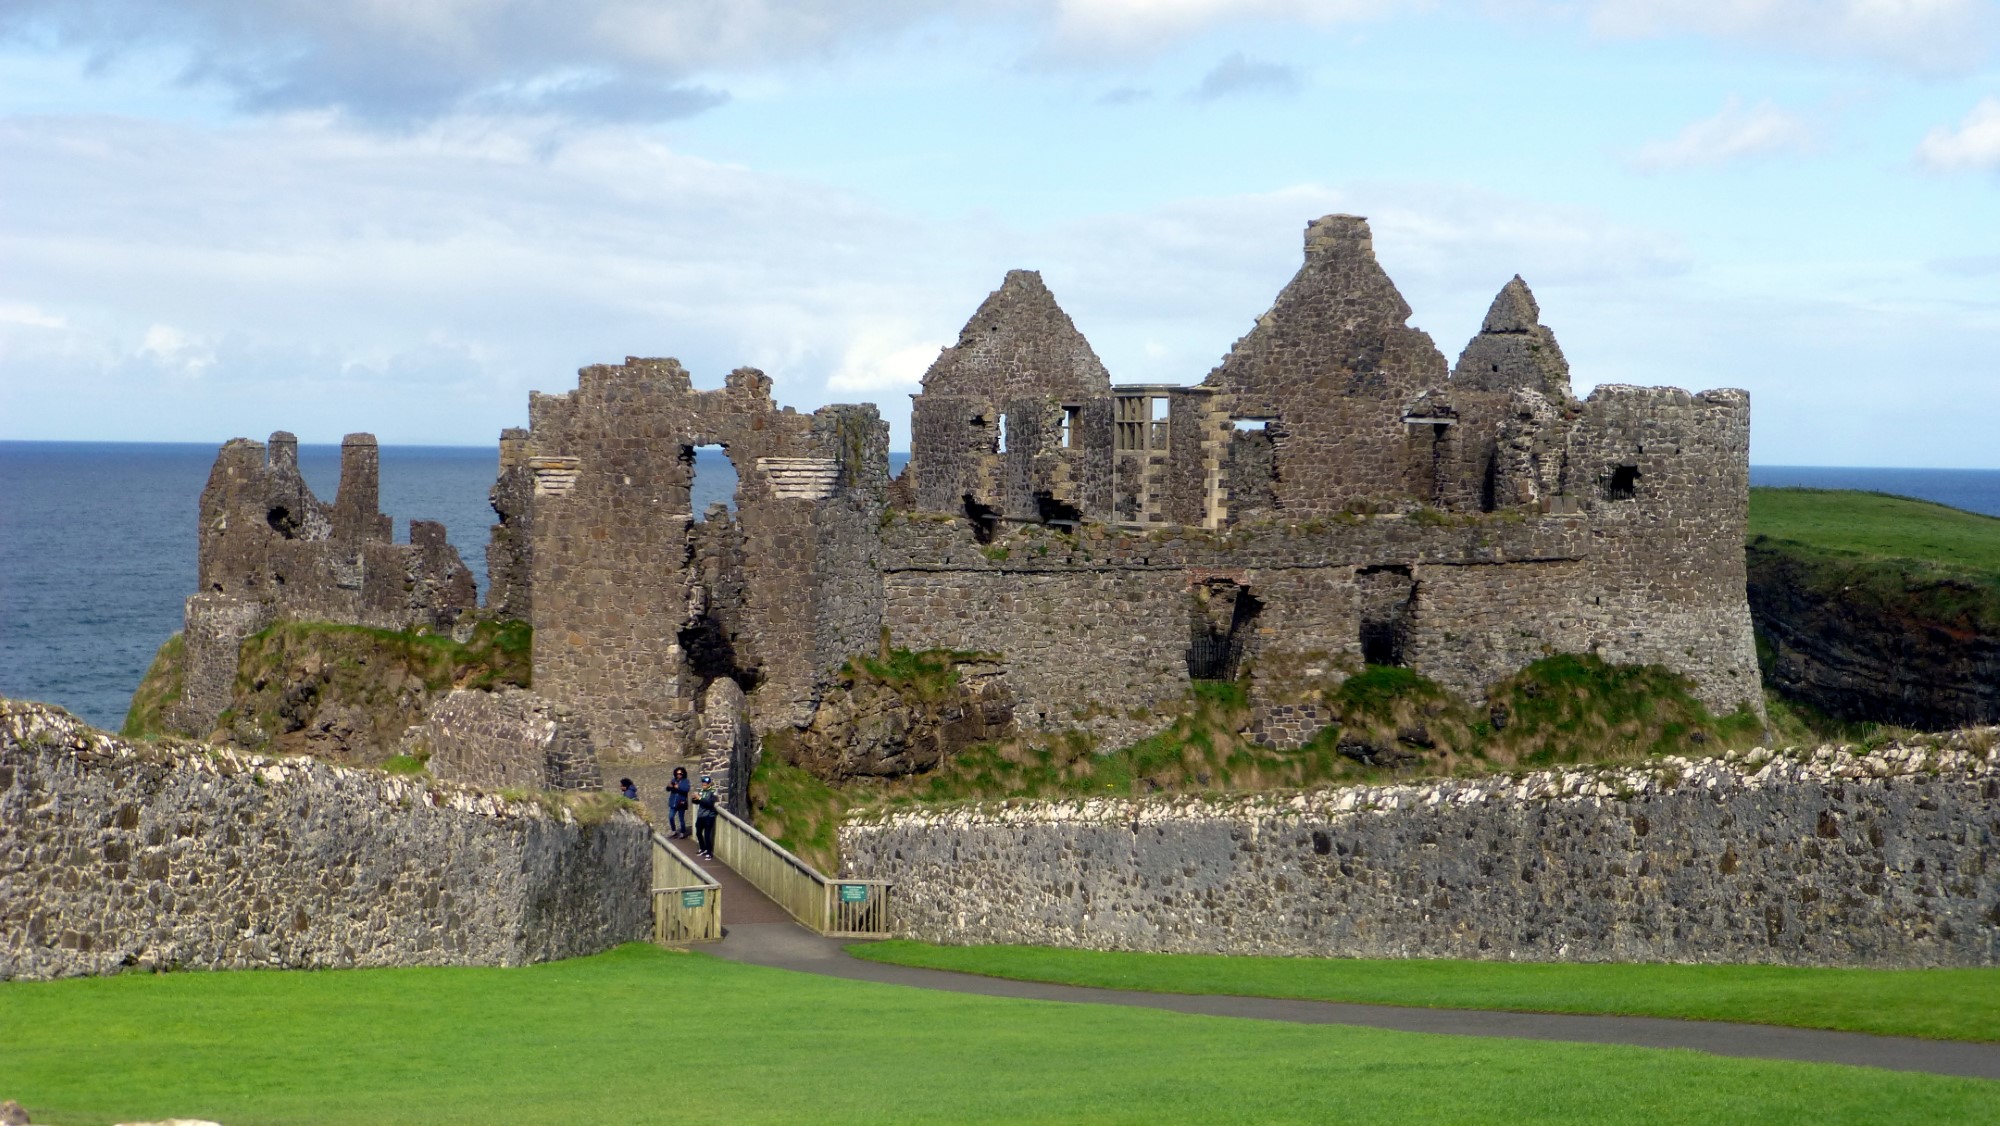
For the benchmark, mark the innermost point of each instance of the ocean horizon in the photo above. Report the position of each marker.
(97, 541)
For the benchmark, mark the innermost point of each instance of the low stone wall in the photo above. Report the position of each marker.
(1828, 858)
(117, 855)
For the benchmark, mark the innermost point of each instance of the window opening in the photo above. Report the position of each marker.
(283, 522)
(1053, 511)
(1223, 621)
(1388, 598)
(1161, 413)
(1258, 424)
(711, 479)
(985, 519)
(1003, 434)
(1134, 420)
(1072, 422)
(1624, 483)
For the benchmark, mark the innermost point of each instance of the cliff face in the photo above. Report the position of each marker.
(1887, 641)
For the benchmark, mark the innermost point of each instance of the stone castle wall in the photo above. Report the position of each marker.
(270, 550)
(1485, 596)
(1886, 859)
(116, 856)
(629, 603)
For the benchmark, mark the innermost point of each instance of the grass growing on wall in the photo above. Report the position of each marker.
(797, 810)
(1390, 725)
(1937, 1004)
(643, 1035)
(158, 690)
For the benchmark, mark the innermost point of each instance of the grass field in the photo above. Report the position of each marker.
(1876, 525)
(644, 1035)
(1938, 1004)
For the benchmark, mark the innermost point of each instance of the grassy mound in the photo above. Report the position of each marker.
(158, 690)
(1388, 724)
(643, 1035)
(346, 693)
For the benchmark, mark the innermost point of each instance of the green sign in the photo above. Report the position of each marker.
(694, 898)
(854, 893)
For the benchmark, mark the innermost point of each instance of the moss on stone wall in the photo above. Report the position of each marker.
(158, 690)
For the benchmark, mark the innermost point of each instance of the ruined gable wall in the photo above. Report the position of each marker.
(1017, 362)
(1336, 362)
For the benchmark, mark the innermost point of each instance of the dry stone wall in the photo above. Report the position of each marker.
(115, 856)
(1830, 858)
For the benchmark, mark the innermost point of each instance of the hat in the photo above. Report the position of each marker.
(706, 778)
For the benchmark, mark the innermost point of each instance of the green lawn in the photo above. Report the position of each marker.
(1939, 1004)
(644, 1035)
(1876, 525)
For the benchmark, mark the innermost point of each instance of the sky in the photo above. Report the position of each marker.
(402, 216)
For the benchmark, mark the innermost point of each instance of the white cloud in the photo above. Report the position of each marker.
(1153, 23)
(28, 316)
(1974, 144)
(1735, 133)
(1924, 35)
(883, 356)
(176, 351)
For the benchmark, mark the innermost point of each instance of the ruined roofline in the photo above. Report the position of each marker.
(1718, 396)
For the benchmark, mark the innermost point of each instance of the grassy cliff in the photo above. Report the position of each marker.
(1876, 608)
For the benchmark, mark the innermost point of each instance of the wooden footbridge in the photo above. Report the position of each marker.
(754, 879)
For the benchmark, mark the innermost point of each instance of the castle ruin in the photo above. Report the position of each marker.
(1331, 494)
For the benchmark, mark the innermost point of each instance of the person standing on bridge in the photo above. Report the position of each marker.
(677, 804)
(705, 800)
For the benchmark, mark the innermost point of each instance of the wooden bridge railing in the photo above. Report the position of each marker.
(842, 908)
(687, 902)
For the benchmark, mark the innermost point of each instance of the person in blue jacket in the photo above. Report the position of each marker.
(677, 804)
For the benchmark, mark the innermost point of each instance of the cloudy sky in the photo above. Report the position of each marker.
(220, 218)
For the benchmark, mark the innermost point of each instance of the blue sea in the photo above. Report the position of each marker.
(97, 542)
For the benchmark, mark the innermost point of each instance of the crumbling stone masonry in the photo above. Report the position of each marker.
(1837, 858)
(270, 550)
(1332, 494)
(114, 855)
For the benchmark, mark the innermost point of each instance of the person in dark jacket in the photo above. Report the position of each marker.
(705, 800)
(677, 804)
(627, 790)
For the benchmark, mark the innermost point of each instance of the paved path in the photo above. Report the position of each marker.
(785, 945)
(742, 903)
